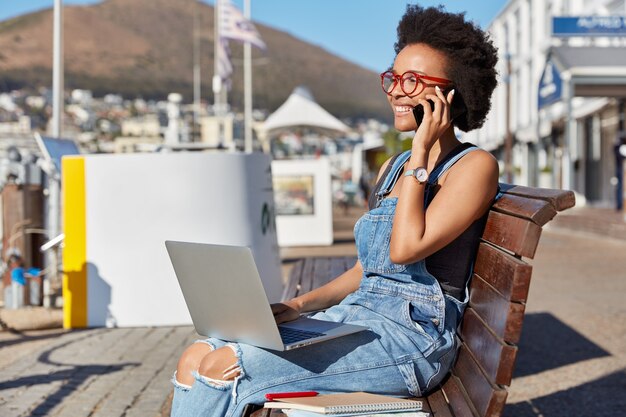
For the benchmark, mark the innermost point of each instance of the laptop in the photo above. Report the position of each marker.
(226, 300)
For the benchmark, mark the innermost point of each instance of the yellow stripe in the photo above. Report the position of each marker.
(75, 251)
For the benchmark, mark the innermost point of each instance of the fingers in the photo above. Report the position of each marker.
(286, 316)
(278, 308)
(284, 312)
(428, 110)
(450, 96)
(279, 318)
(442, 105)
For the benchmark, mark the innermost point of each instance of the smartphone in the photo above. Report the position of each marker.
(457, 108)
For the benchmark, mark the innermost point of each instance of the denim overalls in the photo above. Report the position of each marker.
(409, 349)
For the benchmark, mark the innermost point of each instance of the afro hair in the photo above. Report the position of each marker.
(471, 56)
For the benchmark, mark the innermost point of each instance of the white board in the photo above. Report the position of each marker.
(135, 202)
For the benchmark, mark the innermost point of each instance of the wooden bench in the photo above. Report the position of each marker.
(492, 323)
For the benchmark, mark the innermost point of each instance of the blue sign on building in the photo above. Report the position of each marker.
(550, 85)
(589, 26)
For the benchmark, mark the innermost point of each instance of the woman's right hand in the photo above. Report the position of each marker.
(286, 311)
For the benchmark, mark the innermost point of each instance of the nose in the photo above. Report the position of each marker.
(396, 90)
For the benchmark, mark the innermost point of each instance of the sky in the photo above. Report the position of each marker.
(361, 31)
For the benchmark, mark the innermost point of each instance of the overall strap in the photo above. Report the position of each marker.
(450, 159)
(398, 166)
(393, 175)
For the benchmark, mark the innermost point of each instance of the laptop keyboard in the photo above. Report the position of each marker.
(293, 335)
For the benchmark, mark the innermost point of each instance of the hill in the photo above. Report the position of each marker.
(144, 48)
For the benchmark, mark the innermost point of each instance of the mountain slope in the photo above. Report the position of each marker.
(144, 47)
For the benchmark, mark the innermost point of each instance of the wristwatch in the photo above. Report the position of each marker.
(420, 174)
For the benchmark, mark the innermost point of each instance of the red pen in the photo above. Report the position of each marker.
(276, 395)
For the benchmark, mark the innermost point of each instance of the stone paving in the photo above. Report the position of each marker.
(572, 358)
(95, 372)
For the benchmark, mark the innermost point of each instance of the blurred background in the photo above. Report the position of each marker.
(159, 98)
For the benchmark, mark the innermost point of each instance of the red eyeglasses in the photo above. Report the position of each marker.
(410, 82)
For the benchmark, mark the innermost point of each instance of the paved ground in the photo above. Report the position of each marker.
(572, 357)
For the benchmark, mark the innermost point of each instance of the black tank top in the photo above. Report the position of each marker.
(452, 264)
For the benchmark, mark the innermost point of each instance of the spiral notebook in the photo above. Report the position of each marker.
(351, 403)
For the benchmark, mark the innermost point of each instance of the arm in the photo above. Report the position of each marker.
(326, 295)
(320, 298)
(464, 197)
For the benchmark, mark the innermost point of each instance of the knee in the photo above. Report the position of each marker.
(190, 361)
(220, 365)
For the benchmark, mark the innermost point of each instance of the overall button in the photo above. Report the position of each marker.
(436, 298)
(436, 322)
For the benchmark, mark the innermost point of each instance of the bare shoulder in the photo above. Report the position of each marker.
(477, 171)
(480, 162)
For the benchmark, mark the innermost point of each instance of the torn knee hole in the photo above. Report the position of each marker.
(221, 365)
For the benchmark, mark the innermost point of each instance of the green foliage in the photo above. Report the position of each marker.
(394, 143)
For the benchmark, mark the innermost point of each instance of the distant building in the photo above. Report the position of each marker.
(7, 103)
(145, 126)
(130, 144)
(217, 131)
(21, 126)
(36, 102)
(564, 93)
(82, 97)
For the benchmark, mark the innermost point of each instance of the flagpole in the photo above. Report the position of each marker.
(196, 75)
(217, 80)
(247, 81)
(57, 70)
(54, 185)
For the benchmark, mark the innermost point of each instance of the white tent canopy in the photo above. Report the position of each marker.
(300, 109)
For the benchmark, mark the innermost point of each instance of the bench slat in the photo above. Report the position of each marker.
(337, 266)
(495, 357)
(487, 398)
(321, 273)
(438, 405)
(509, 275)
(539, 212)
(517, 235)
(264, 412)
(457, 398)
(502, 316)
(291, 289)
(306, 281)
(560, 199)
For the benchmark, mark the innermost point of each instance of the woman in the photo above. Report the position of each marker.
(409, 285)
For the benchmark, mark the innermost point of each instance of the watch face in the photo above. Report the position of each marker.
(421, 174)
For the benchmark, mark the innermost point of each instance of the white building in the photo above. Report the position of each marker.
(563, 94)
(147, 125)
(21, 126)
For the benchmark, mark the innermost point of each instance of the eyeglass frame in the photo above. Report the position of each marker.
(397, 79)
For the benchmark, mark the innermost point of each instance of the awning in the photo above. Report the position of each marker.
(592, 71)
(300, 109)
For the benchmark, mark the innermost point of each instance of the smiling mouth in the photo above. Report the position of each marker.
(402, 109)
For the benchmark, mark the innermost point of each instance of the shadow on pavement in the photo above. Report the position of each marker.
(23, 337)
(73, 375)
(548, 343)
(602, 397)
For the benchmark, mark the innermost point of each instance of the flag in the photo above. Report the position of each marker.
(225, 68)
(233, 25)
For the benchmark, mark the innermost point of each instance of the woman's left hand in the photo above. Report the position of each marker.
(285, 311)
(435, 122)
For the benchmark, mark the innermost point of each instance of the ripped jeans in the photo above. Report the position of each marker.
(391, 359)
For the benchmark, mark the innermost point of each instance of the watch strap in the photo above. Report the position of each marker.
(413, 173)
